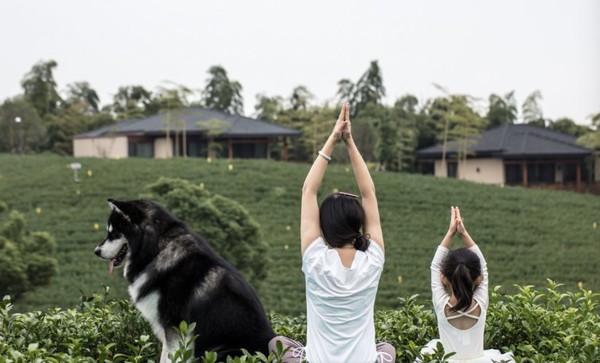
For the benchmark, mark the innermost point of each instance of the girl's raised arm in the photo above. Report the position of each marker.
(447, 241)
(460, 228)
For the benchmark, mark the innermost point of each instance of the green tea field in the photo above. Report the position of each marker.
(527, 235)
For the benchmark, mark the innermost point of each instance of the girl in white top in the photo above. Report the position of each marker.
(342, 260)
(459, 287)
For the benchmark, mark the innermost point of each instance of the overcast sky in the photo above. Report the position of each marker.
(470, 47)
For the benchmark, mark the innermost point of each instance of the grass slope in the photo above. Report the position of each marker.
(527, 235)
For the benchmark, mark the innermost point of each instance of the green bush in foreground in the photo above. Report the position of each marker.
(547, 326)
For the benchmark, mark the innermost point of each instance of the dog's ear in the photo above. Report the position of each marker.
(128, 209)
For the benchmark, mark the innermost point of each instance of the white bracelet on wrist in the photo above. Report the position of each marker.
(324, 156)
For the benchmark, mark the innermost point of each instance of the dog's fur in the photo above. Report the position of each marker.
(174, 275)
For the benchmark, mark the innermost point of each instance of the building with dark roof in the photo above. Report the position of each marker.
(192, 131)
(511, 154)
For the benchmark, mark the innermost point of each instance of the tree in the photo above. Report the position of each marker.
(456, 120)
(221, 93)
(315, 124)
(595, 121)
(21, 127)
(408, 103)
(369, 88)
(227, 225)
(568, 126)
(501, 110)
(345, 91)
(300, 98)
(27, 259)
(83, 93)
(387, 145)
(131, 102)
(171, 100)
(405, 111)
(171, 97)
(39, 87)
(69, 121)
(532, 112)
(268, 108)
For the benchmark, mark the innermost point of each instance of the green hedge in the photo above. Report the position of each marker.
(537, 326)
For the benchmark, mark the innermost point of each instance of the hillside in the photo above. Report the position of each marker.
(527, 235)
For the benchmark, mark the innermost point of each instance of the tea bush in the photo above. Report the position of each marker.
(537, 326)
(234, 233)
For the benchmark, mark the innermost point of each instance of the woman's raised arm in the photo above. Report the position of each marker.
(365, 184)
(310, 227)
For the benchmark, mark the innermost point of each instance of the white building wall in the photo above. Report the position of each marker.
(101, 147)
(163, 148)
(488, 171)
(439, 169)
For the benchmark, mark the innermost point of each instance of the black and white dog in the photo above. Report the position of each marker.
(174, 275)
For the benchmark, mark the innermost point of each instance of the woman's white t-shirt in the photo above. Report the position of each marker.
(339, 304)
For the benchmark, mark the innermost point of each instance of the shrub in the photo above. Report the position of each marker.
(27, 259)
(225, 223)
(549, 326)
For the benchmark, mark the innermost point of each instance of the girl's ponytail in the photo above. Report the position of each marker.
(462, 287)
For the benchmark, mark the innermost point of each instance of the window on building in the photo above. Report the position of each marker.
(452, 169)
(141, 149)
(427, 167)
(541, 173)
(513, 174)
(569, 172)
(249, 151)
(197, 148)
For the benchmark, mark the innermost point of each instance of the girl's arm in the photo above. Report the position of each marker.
(365, 186)
(462, 231)
(438, 290)
(310, 227)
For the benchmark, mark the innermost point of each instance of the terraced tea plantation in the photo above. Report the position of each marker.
(527, 235)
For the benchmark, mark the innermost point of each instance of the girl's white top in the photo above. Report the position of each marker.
(339, 304)
(467, 344)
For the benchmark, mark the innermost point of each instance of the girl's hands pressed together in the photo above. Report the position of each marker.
(453, 221)
(460, 227)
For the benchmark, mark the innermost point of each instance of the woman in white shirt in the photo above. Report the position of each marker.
(342, 260)
(459, 287)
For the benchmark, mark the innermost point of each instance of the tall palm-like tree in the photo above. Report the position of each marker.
(171, 99)
(39, 87)
(369, 88)
(268, 108)
(132, 102)
(502, 110)
(300, 98)
(221, 93)
(345, 91)
(461, 122)
(532, 112)
(82, 92)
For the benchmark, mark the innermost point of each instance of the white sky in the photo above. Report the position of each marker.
(271, 46)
